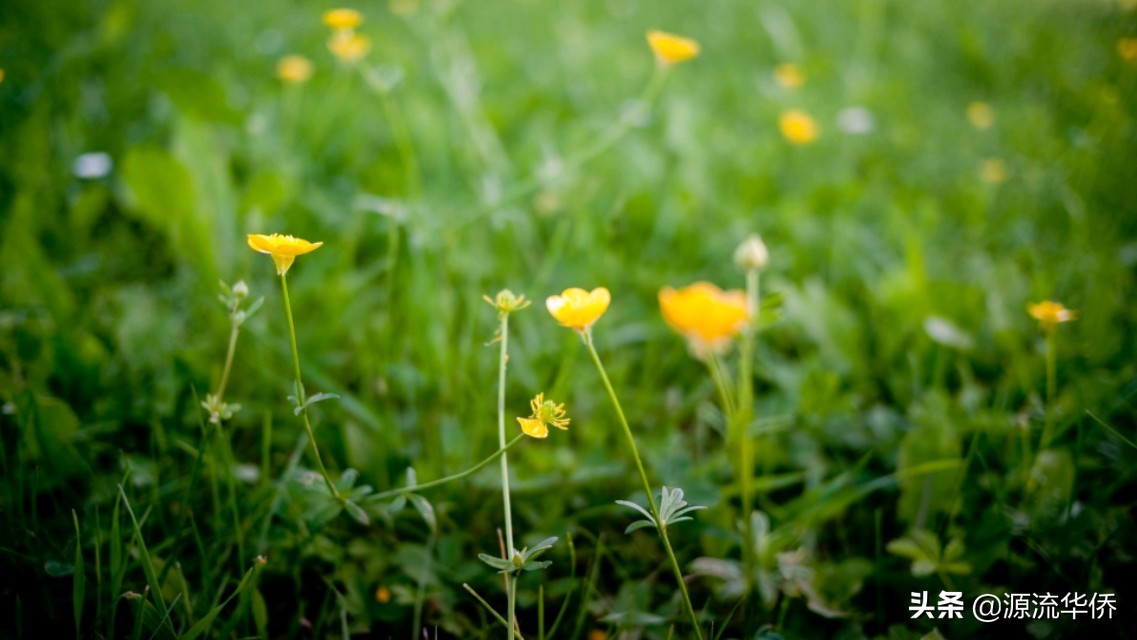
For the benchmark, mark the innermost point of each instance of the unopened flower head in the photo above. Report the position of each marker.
(545, 413)
(752, 255)
(704, 314)
(670, 49)
(1050, 314)
(789, 75)
(980, 115)
(241, 290)
(797, 127)
(579, 309)
(348, 46)
(282, 248)
(341, 19)
(294, 69)
(507, 302)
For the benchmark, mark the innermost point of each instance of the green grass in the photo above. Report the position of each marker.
(886, 441)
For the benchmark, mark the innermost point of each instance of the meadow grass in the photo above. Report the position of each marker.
(911, 428)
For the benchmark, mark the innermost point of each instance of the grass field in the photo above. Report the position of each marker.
(886, 420)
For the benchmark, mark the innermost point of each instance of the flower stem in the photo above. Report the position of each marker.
(662, 528)
(744, 417)
(1051, 384)
(505, 459)
(450, 478)
(300, 389)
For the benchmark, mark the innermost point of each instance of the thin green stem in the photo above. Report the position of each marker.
(513, 632)
(457, 476)
(744, 417)
(300, 398)
(729, 410)
(662, 528)
(234, 331)
(505, 459)
(1051, 386)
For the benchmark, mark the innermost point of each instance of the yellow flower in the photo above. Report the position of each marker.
(283, 249)
(294, 69)
(348, 46)
(706, 315)
(981, 115)
(1127, 47)
(1, 75)
(789, 76)
(669, 49)
(797, 127)
(545, 413)
(343, 18)
(1050, 314)
(577, 308)
(382, 595)
(993, 171)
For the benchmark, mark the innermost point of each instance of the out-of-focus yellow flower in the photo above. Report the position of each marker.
(1127, 48)
(993, 171)
(1050, 314)
(343, 18)
(282, 248)
(597, 634)
(294, 69)
(980, 115)
(579, 309)
(789, 75)
(348, 46)
(1, 75)
(797, 127)
(545, 413)
(382, 595)
(704, 314)
(670, 49)
(403, 7)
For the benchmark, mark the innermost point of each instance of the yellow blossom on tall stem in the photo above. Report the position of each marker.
(704, 314)
(343, 18)
(670, 49)
(282, 248)
(1049, 315)
(579, 309)
(797, 127)
(294, 69)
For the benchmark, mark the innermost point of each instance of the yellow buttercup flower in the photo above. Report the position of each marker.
(980, 115)
(343, 18)
(670, 49)
(797, 127)
(704, 314)
(294, 69)
(382, 595)
(283, 249)
(1050, 314)
(789, 75)
(348, 46)
(579, 309)
(545, 413)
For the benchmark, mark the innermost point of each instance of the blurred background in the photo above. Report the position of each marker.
(942, 166)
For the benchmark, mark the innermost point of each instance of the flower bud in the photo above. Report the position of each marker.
(241, 290)
(752, 255)
(507, 302)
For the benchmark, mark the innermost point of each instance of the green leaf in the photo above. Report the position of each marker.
(502, 565)
(147, 564)
(638, 524)
(424, 508)
(202, 625)
(198, 95)
(357, 512)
